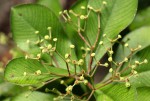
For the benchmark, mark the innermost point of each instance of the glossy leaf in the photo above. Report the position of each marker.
(118, 92)
(115, 16)
(141, 19)
(54, 5)
(33, 96)
(24, 72)
(28, 18)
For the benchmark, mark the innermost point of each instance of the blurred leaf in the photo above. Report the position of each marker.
(115, 16)
(28, 18)
(54, 5)
(141, 19)
(135, 38)
(118, 92)
(33, 96)
(7, 89)
(23, 72)
(142, 79)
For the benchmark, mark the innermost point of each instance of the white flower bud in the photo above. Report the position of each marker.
(49, 46)
(119, 36)
(126, 44)
(81, 78)
(106, 64)
(46, 37)
(85, 82)
(101, 42)
(126, 59)
(111, 52)
(104, 2)
(36, 32)
(72, 46)
(110, 59)
(110, 70)
(62, 82)
(93, 54)
(55, 39)
(82, 7)
(145, 61)
(66, 55)
(49, 28)
(127, 84)
(38, 72)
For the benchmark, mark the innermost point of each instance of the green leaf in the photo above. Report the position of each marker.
(141, 19)
(54, 5)
(143, 94)
(142, 79)
(28, 18)
(135, 38)
(23, 72)
(115, 16)
(117, 92)
(33, 96)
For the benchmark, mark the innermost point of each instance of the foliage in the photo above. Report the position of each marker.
(62, 55)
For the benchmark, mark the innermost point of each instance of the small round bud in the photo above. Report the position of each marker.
(90, 7)
(72, 46)
(93, 54)
(65, 11)
(110, 59)
(85, 82)
(126, 59)
(133, 66)
(82, 17)
(126, 44)
(135, 72)
(81, 78)
(80, 62)
(55, 39)
(82, 7)
(66, 55)
(41, 47)
(62, 82)
(36, 32)
(38, 72)
(106, 64)
(68, 60)
(48, 28)
(60, 12)
(139, 46)
(49, 46)
(127, 84)
(88, 49)
(137, 62)
(119, 36)
(110, 70)
(111, 52)
(101, 42)
(104, 2)
(104, 35)
(44, 50)
(145, 61)
(46, 37)
(25, 73)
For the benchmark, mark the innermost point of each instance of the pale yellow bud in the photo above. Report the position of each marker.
(55, 39)
(36, 32)
(38, 72)
(46, 37)
(110, 59)
(72, 46)
(93, 54)
(110, 70)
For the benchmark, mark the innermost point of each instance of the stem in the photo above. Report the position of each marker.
(54, 59)
(90, 95)
(90, 64)
(68, 68)
(79, 33)
(98, 34)
(75, 69)
(110, 81)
